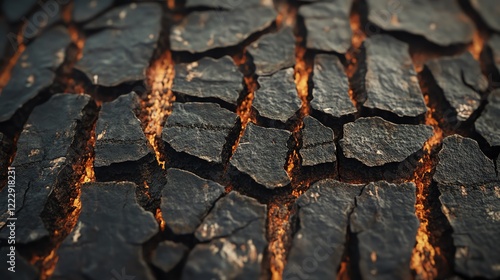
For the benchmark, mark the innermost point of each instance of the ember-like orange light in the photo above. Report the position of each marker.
(477, 44)
(7, 70)
(302, 73)
(158, 104)
(159, 218)
(279, 226)
(424, 253)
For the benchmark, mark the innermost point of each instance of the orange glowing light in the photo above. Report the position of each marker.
(303, 71)
(7, 70)
(159, 218)
(158, 104)
(280, 227)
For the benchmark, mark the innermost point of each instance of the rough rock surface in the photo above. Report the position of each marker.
(107, 209)
(489, 11)
(221, 4)
(201, 31)
(385, 214)
(461, 162)
(44, 155)
(168, 255)
(487, 124)
(200, 129)
(84, 10)
(123, 46)
(277, 97)
(323, 215)
(470, 198)
(493, 45)
(119, 136)
(233, 239)
(331, 87)
(34, 71)
(186, 200)
(460, 79)
(441, 22)
(317, 143)
(375, 142)
(388, 79)
(327, 25)
(209, 78)
(273, 52)
(15, 10)
(262, 154)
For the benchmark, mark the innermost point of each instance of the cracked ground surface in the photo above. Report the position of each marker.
(212, 139)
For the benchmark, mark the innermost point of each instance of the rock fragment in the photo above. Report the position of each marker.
(46, 150)
(327, 25)
(489, 12)
(186, 200)
(487, 124)
(460, 79)
(168, 255)
(122, 47)
(85, 10)
(34, 71)
(441, 22)
(209, 78)
(262, 154)
(220, 4)
(233, 241)
(120, 140)
(323, 214)
(201, 31)
(273, 52)
(277, 98)
(110, 218)
(387, 78)
(331, 87)
(318, 146)
(385, 225)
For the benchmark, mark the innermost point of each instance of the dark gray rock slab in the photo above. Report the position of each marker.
(44, 154)
(474, 214)
(15, 10)
(331, 87)
(84, 10)
(323, 214)
(385, 225)
(317, 143)
(23, 270)
(34, 71)
(273, 52)
(375, 142)
(123, 46)
(388, 78)
(327, 25)
(493, 59)
(199, 129)
(487, 124)
(234, 240)
(119, 136)
(110, 218)
(262, 154)
(201, 31)
(489, 12)
(209, 78)
(277, 97)
(168, 255)
(221, 4)
(461, 162)
(186, 200)
(460, 78)
(441, 22)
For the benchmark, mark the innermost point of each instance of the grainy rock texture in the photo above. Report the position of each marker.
(488, 11)
(317, 143)
(487, 124)
(168, 255)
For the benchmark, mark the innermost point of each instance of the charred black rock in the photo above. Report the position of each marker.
(262, 154)
(110, 218)
(209, 78)
(387, 79)
(34, 71)
(234, 240)
(120, 142)
(220, 4)
(123, 44)
(273, 52)
(201, 31)
(186, 200)
(277, 99)
(327, 25)
(489, 12)
(331, 87)
(487, 124)
(441, 22)
(88, 9)
(318, 146)
(168, 255)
